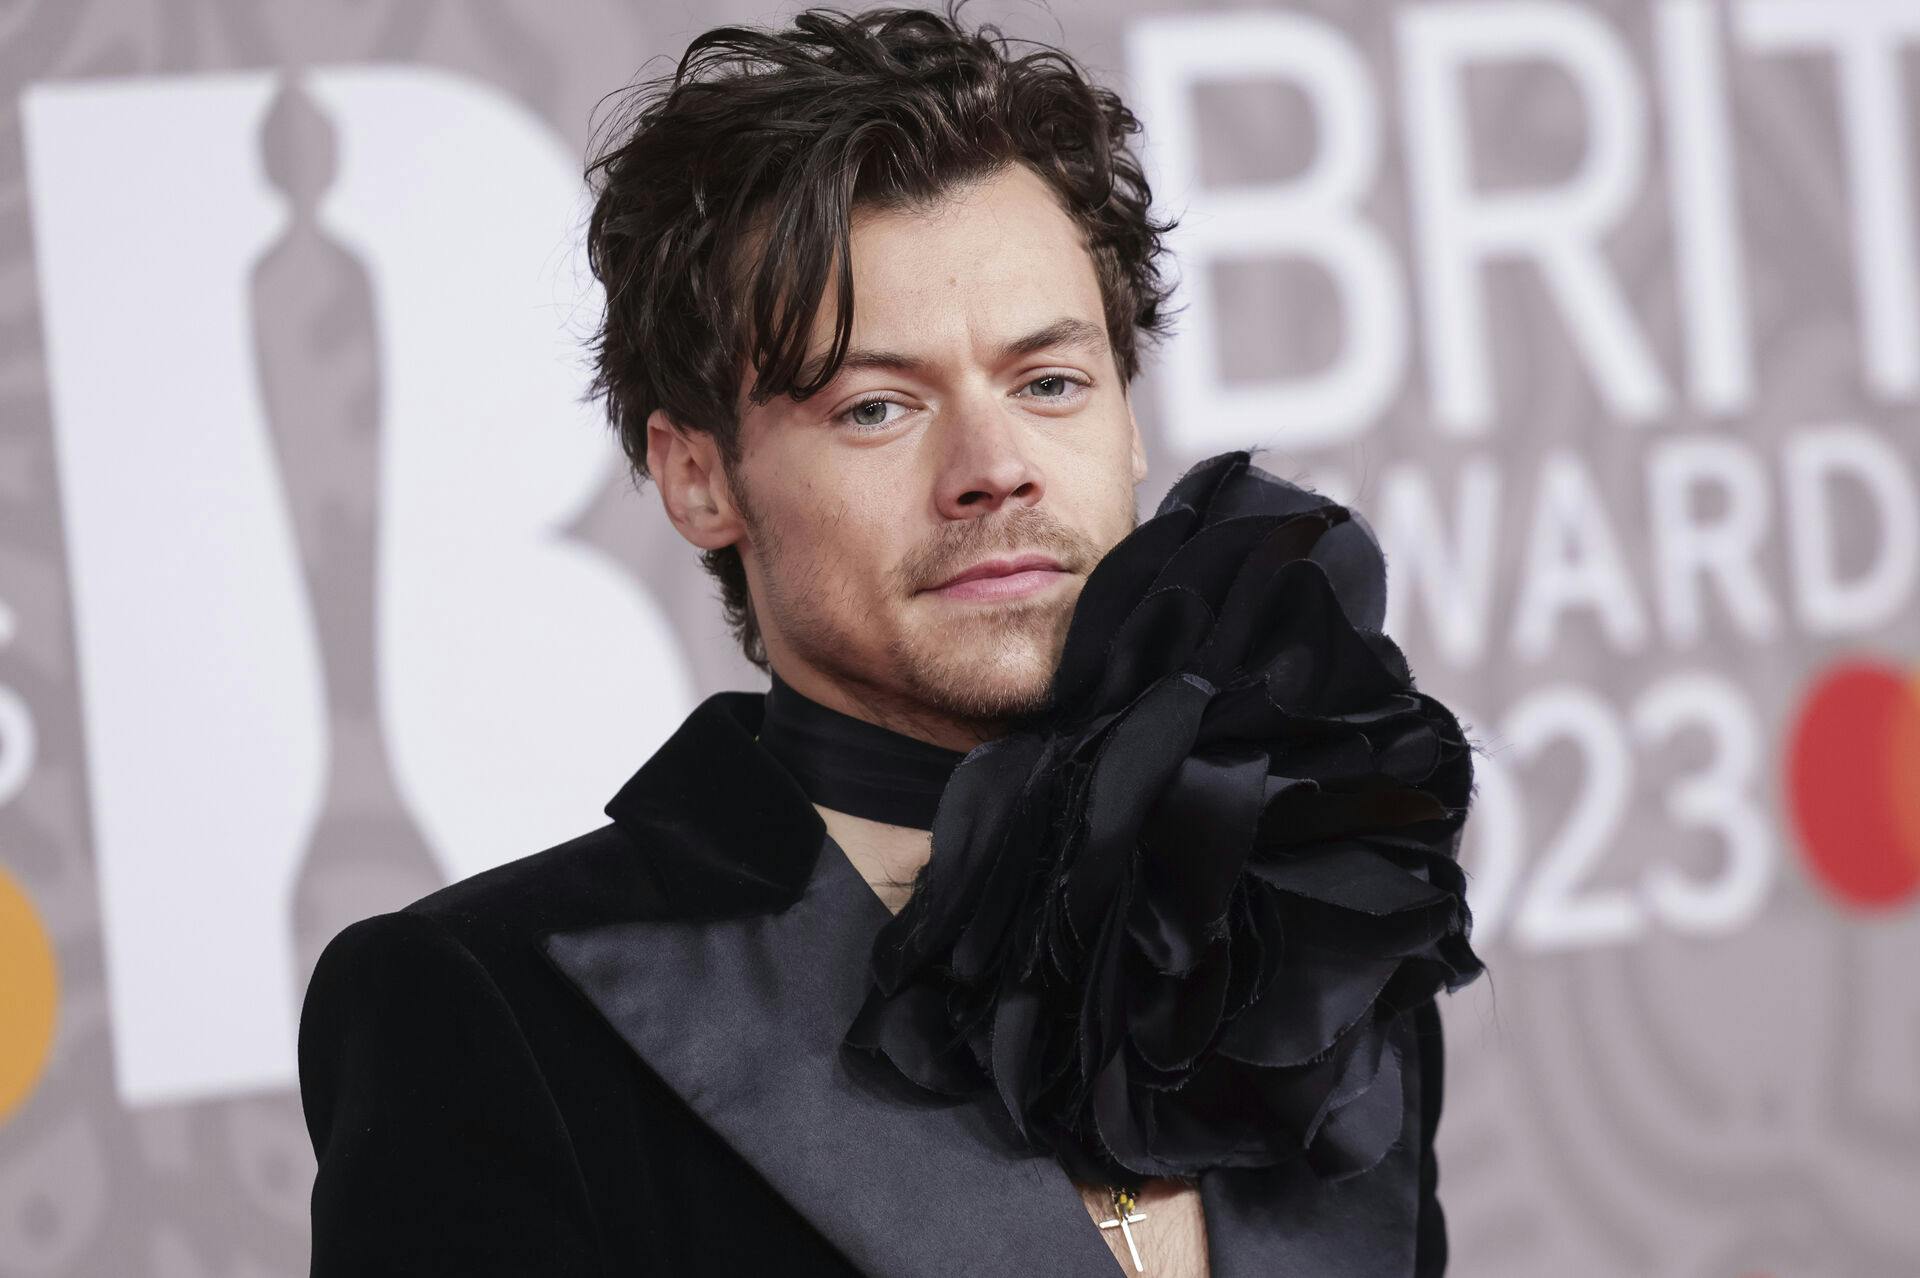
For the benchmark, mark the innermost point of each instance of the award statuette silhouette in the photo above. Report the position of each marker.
(316, 336)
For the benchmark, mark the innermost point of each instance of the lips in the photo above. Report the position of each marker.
(1002, 568)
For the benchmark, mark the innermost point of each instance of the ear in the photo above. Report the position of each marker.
(685, 466)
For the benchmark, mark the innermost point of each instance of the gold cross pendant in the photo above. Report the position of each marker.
(1124, 1218)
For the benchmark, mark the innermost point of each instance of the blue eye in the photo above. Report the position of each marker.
(871, 415)
(1069, 388)
(853, 415)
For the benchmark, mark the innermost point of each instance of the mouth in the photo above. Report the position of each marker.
(998, 579)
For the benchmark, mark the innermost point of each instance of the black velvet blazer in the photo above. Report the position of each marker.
(620, 1056)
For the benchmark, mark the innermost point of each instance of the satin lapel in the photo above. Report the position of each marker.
(739, 999)
(743, 1016)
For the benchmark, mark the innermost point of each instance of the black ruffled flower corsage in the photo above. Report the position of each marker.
(1170, 921)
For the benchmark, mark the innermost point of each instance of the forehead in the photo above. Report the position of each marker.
(990, 260)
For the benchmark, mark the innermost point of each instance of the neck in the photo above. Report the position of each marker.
(887, 856)
(852, 765)
(877, 789)
(887, 709)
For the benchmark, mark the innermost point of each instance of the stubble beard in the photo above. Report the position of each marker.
(987, 668)
(978, 667)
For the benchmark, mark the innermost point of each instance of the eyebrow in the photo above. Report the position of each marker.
(1067, 333)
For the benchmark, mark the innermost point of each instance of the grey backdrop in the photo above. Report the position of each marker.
(1642, 537)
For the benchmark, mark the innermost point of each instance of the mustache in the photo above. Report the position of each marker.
(1029, 528)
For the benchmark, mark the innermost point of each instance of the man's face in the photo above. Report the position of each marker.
(979, 418)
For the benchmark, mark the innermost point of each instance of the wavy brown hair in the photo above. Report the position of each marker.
(775, 137)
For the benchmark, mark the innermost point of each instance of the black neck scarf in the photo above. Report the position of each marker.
(853, 766)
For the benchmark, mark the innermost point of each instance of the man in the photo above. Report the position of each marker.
(620, 1055)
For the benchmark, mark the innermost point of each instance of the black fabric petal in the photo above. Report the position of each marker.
(1169, 922)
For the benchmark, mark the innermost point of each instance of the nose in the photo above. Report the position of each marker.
(984, 464)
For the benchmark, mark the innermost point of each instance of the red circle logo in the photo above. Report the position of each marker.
(1853, 783)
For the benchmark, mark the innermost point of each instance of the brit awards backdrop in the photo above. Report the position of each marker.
(321, 587)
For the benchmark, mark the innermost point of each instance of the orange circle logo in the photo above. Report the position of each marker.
(29, 995)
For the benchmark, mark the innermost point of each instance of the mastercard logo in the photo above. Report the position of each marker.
(1853, 783)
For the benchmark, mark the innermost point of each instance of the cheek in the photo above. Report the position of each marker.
(841, 553)
(1102, 488)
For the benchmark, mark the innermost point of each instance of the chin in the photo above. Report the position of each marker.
(989, 672)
